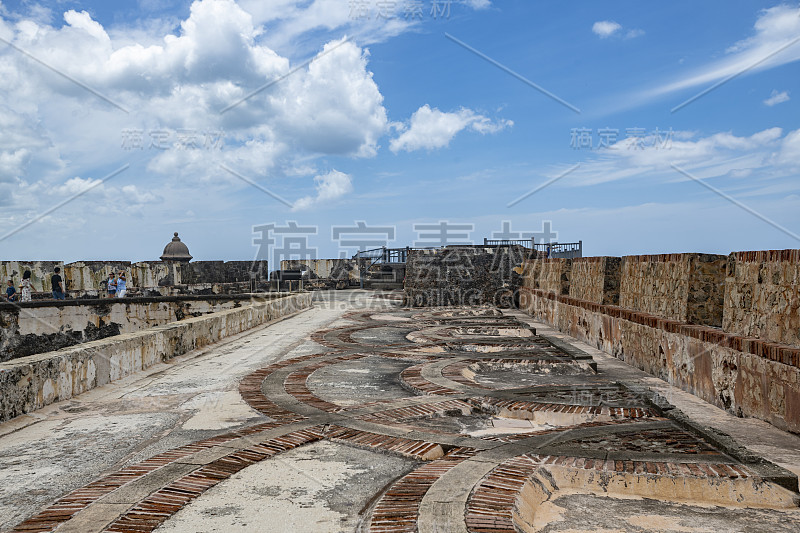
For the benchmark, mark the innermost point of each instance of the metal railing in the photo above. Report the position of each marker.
(564, 250)
(527, 243)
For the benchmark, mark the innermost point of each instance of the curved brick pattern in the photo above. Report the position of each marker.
(497, 405)
(66, 507)
(296, 383)
(250, 389)
(398, 509)
(455, 372)
(489, 508)
(661, 468)
(427, 410)
(417, 449)
(560, 417)
(159, 506)
(412, 379)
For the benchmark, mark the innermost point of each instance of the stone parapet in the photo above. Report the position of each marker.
(744, 375)
(762, 295)
(32, 382)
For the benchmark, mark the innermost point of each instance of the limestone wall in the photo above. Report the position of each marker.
(762, 295)
(87, 279)
(43, 326)
(40, 272)
(595, 279)
(550, 275)
(684, 287)
(33, 382)
(746, 376)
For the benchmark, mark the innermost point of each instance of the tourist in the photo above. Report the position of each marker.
(121, 285)
(56, 284)
(25, 286)
(11, 292)
(111, 286)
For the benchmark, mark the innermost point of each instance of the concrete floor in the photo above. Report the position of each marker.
(335, 484)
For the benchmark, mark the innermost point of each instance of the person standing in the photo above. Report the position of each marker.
(25, 286)
(122, 287)
(11, 292)
(57, 284)
(111, 285)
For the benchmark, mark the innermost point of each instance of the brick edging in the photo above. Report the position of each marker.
(780, 353)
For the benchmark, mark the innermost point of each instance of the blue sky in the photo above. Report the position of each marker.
(210, 110)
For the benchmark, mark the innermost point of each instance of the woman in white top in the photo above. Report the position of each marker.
(25, 286)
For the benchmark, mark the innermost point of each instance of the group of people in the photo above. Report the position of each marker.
(116, 286)
(24, 294)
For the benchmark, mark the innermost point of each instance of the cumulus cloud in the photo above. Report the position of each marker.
(184, 81)
(431, 128)
(605, 28)
(777, 98)
(329, 187)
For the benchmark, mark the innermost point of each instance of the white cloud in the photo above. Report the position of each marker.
(179, 82)
(431, 128)
(605, 28)
(767, 154)
(330, 187)
(774, 43)
(777, 98)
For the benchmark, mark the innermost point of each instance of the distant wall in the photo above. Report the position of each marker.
(40, 272)
(33, 382)
(326, 273)
(464, 275)
(43, 326)
(223, 271)
(89, 278)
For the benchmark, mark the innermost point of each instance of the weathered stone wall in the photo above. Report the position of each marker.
(33, 382)
(40, 272)
(551, 275)
(684, 287)
(43, 326)
(464, 275)
(326, 273)
(762, 295)
(746, 376)
(595, 279)
(87, 279)
(223, 271)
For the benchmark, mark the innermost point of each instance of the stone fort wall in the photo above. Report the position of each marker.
(87, 278)
(726, 329)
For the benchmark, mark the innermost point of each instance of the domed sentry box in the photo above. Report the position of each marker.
(176, 251)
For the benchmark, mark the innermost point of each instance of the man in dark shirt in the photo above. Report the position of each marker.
(56, 283)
